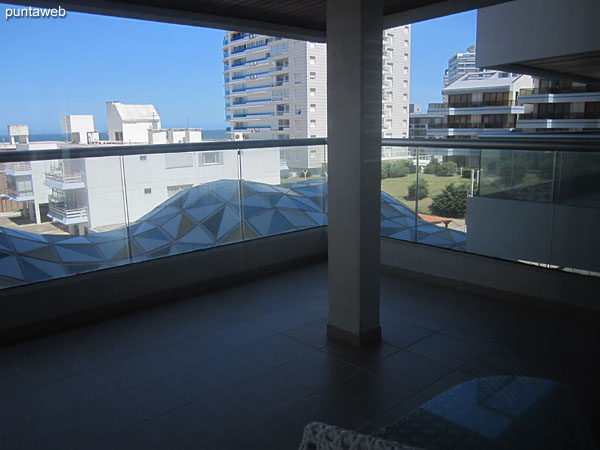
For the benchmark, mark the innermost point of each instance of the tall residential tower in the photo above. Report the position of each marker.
(277, 88)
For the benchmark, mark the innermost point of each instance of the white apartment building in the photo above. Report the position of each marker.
(460, 64)
(107, 192)
(479, 104)
(277, 89)
(560, 106)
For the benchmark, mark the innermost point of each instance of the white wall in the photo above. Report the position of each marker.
(80, 123)
(524, 30)
(113, 120)
(136, 133)
(103, 180)
(104, 191)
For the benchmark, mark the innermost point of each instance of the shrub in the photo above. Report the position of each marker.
(399, 170)
(451, 202)
(423, 190)
(432, 167)
(396, 169)
(446, 169)
(512, 171)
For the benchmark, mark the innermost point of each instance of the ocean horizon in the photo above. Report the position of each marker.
(206, 134)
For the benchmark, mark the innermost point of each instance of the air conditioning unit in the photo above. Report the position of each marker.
(238, 136)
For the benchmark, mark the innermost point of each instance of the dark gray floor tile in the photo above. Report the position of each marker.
(93, 420)
(410, 370)
(49, 359)
(425, 319)
(316, 370)
(362, 357)
(447, 350)
(241, 334)
(155, 327)
(143, 436)
(225, 369)
(313, 334)
(402, 334)
(135, 369)
(396, 413)
(285, 319)
(167, 392)
(449, 381)
(11, 378)
(19, 408)
(205, 421)
(276, 350)
(106, 341)
(366, 395)
(254, 437)
(290, 421)
(72, 391)
(48, 433)
(266, 393)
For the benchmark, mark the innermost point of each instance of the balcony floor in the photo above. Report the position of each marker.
(247, 367)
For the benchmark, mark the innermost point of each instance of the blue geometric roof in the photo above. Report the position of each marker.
(200, 217)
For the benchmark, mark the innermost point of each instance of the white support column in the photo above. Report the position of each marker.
(354, 58)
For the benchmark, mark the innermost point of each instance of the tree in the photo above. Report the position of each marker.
(513, 171)
(446, 169)
(452, 201)
(423, 190)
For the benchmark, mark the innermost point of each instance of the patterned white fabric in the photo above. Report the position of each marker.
(320, 436)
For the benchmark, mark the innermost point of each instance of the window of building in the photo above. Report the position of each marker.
(405, 70)
(313, 92)
(313, 107)
(313, 123)
(406, 57)
(406, 42)
(405, 96)
(143, 157)
(297, 78)
(147, 190)
(172, 190)
(118, 135)
(313, 76)
(312, 59)
(313, 135)
(405, 83)
(176, 160)
(206, 158)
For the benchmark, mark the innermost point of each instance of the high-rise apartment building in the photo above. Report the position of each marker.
(479, 104)
(461, 63)
(277, 89)
(560, 106)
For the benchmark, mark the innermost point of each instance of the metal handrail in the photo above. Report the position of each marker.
(567, 144)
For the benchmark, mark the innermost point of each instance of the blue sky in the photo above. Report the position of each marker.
(74, 65)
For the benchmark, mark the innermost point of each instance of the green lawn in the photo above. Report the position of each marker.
(398, 188)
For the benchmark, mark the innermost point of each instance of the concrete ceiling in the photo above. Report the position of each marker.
(300, 19)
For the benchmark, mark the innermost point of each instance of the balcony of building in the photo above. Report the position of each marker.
(477, 107)
(59, 211)
(57, 178)
(212, 321)
(17, 168)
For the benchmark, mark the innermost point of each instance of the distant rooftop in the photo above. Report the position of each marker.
(136, 113)
(474, 80)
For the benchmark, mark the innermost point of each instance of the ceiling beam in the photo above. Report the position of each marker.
(180, 17)
(434, 10)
